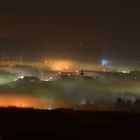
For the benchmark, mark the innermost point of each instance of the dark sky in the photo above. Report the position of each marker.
(84, 30)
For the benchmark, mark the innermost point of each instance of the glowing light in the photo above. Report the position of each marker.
(46, 62)
(60, 65)
(77, 71)
(20, 77)
(49, 108)
(125, 71)
(104, 62)
(66, 67)
(51, 78)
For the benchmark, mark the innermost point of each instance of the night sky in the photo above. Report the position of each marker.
(81, 30)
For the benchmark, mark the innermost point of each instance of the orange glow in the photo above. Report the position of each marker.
(26, 101)
(59, 65)
(69, 65)
(56, 64)
(20, 101)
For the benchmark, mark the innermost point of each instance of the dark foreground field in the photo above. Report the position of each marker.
(67, 124)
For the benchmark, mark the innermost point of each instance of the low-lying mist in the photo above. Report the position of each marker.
(67, 93)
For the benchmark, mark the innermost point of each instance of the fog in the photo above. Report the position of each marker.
(66, 93)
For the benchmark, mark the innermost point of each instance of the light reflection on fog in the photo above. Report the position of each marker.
(57, 94)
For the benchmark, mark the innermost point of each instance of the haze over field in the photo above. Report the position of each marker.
(65, 93)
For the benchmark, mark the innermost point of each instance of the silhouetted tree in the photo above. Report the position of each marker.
(137, 105)
(120, 104)
(129, 106)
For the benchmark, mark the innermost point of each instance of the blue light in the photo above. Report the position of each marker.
(104, 62)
